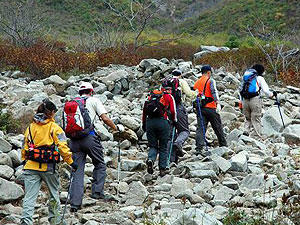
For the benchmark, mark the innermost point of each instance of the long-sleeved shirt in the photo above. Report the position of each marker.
(186, 90)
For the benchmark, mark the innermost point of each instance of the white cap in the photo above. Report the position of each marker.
(86, 85)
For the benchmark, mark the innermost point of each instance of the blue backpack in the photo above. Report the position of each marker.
(249, 84)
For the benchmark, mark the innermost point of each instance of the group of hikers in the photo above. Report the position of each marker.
(164, 119)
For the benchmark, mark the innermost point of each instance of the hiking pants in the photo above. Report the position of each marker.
(182, 130)
(209, 115)
(158, 136)
(252, 109)
(91, 146)
(33, 180)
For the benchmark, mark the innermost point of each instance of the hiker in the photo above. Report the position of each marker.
(89, 144)
(182, 125)
(254, 82)
(43, 134)
(210, 108)
(155, 123)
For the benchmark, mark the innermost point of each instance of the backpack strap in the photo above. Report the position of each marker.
(30, 135)
(203, 92)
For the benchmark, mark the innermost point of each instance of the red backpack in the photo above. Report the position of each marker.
(77, 123)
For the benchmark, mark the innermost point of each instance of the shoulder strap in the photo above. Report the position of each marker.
(31, 139)
(205, 86)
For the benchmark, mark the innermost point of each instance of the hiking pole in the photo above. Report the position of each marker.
(202, 123)
(278, 104)
(69, 190)
(171, 146)
(119, 166)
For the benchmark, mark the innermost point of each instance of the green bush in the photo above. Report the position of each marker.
(233, 42)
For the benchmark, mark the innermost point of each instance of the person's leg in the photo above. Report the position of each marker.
(182, 128)
(77, 188)
(52, 181)
(152, 137)
(94, 148)
(256, 114)
(200, 141)
(163, 129)
(247, 113)
(32, 182)
(216, 123)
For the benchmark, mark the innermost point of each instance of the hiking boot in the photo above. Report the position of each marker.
(178, 150)
(163, 172)
(103, 197)
(149, 166)
(75, 208)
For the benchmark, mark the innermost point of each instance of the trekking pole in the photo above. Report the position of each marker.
(69, 189)
(278, 104)
(119, 166)
(171, 146)
(202, 123)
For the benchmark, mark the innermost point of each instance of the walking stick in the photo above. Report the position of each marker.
(278, 104)
(69, 189)
(119, 166)
(171, 145)
(202, 123)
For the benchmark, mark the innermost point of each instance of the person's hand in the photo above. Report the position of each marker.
(120, 127)
(144, 127)
(241, 105)
(275, 94)
(218, 108)
(74, 166)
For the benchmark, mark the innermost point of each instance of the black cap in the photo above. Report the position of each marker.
(176, 72)
(259, 69)
(205, 69)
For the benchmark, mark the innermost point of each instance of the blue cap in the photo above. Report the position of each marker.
(205, 68)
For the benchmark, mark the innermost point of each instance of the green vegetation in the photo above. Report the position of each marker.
(7, 123)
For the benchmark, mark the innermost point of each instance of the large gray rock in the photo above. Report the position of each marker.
(239, 162)
(292, 134)
(272, 123)
(5, 146)
(9, 191)
(136, 194)
(113, 77)
(15, 157)
(222, 163)
(196, 217)
(146, 63)
(179, 185)
(131, 165)
(253, 181)
(131, 122)
(5, 160)
(223, 195)
(6, 172)
(203, 187)
(54, 79)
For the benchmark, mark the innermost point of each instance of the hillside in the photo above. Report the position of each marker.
(73, 17)
(233, 16)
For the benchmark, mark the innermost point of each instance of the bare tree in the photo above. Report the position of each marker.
(137, 15)
(21, 22)
(277, 49)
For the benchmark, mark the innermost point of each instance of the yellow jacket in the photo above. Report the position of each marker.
(45, 132)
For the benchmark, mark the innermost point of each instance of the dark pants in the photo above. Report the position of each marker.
(209, 115)
(91, 146)
(182, 131)
(157, 135)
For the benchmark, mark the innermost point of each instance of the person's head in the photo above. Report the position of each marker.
(47, 108)
(86, 88)
(206, 70)
(259, 69)
(177, 72)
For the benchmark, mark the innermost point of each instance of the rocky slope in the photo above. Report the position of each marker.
(249, 174)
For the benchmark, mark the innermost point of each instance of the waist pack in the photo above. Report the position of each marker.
(203, 100)
(42, 154)
(77, 123)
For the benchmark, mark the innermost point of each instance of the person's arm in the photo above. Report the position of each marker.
(214, 90)
(25, 145)
(264, 86)
(187, 90)
(172, 106)
(60, 140)
(108, 121)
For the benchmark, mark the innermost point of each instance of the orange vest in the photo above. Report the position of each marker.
(200, 83)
